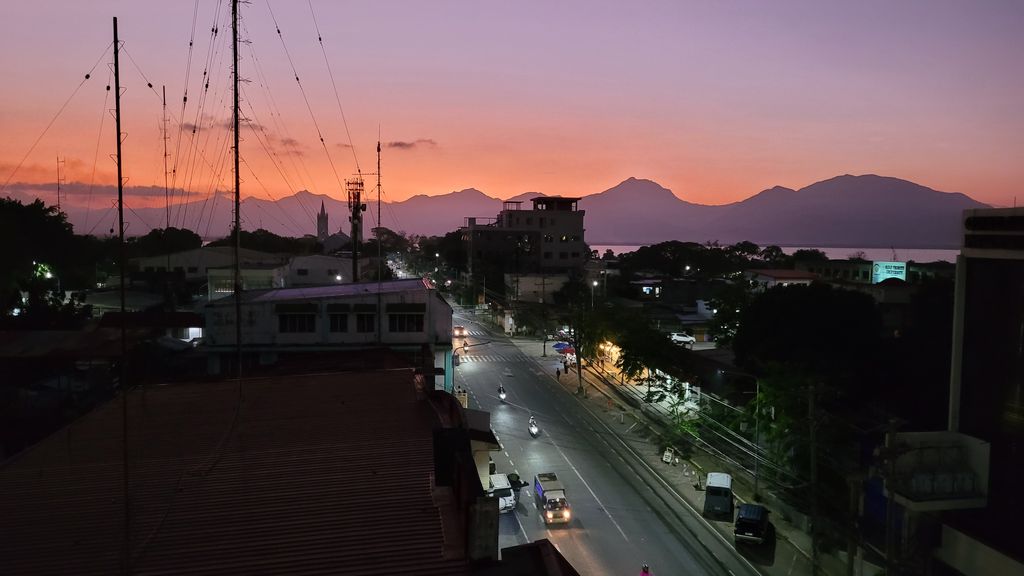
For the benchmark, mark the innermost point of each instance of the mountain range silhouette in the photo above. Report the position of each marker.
(861, 211)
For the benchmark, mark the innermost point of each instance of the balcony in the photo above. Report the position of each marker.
(933, 471)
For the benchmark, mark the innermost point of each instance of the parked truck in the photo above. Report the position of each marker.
(550, 499)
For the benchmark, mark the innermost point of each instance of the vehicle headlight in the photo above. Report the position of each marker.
(566, 515)
(550, 515)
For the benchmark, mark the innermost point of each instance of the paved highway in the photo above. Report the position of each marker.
(621, 518)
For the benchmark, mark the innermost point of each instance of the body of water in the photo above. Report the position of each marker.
(921, 255)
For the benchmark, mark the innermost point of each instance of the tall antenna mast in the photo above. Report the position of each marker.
(238, 218)
(167, 199)
(354, 188)
(380, 225)
(127, 544)
(60, 180)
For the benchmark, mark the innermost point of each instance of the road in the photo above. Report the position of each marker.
(620, 514)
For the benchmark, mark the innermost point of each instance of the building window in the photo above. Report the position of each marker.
(529, 221)
(193, 269)
(366, 323)
(405, 322)
(547, 255)
(302, 272)
(339, 322)
(563, 238)
(540, 221)
(575, 254)
(575, 237)
(296, 323)
(548, 238)
(563, 256)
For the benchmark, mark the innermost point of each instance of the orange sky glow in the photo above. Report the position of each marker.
(715, 102)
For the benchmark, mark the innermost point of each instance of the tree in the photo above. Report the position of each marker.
(774, 256)
(727, 307)
(266, 241)
(809, 255)
(587, 326)
(161, 241)
(43, 259)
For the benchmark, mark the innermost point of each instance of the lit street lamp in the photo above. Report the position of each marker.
(592, 286)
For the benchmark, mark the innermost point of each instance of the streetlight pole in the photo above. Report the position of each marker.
(593, 285)
(757, 428)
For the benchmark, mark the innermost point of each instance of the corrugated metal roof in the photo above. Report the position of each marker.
(329, 291)
(318, 474)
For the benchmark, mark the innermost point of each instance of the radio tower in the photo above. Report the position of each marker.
(356, 206)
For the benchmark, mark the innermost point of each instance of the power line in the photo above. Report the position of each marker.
(88, 75)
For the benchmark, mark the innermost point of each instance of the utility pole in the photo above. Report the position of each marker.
(812, 421)
(238, 204)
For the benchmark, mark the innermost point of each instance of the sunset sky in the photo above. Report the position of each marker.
(715, 100)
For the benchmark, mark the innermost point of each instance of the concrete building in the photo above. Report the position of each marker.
(769, 278)
(194, 264)
(547, 238)
(955, 494)
(402, 315)
(220, 282)
(987, 391)
(317, 270)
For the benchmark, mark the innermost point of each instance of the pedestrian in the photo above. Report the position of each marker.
(558, 374)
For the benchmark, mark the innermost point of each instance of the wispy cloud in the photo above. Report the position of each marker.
(405, 145)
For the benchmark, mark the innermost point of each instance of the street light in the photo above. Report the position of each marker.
(592, 286)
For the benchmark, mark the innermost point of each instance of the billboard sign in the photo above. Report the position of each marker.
(885, 270)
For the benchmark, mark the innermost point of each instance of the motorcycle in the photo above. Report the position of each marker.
(501, 394)
(534, 429)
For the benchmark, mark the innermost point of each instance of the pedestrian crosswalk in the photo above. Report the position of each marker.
(493, 358)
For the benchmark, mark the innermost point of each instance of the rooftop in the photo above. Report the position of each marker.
(324, 473)
(328, 291)
(784, 274)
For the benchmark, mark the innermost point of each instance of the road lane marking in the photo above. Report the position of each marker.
(589, 489)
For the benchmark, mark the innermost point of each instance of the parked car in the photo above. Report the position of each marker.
(718, 499)
(752, 526)
(683, 339)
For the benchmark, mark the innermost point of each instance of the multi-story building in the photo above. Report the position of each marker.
(955, 497)
(987, 389)
(402, 315)
(545, 239)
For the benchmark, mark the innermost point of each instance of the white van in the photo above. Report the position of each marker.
(718, 501)
(501, 489)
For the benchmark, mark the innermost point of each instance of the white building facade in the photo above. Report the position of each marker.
(399, 314)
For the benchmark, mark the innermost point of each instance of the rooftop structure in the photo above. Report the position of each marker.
(283, 475)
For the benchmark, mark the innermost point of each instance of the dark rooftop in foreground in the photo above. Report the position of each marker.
(324, 473)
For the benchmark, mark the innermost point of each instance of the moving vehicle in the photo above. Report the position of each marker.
(459, 332)
(501, 488)
(682, 338)
(534, 429)
(718, 501)
(549, 497)
(752, 524)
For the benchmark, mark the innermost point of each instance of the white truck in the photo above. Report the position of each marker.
(501, 488)
(549, 495)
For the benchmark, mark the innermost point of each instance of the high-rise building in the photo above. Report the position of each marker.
(987, 380)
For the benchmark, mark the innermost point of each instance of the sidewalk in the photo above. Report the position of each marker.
(639, 424)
